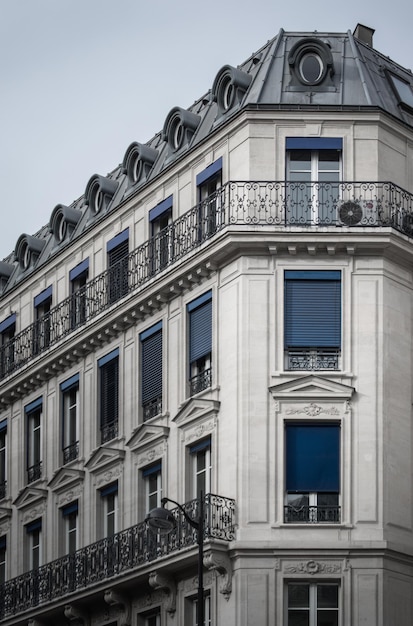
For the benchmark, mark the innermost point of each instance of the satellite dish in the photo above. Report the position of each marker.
(350, 213)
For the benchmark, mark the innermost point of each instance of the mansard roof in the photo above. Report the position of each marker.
(293, 71)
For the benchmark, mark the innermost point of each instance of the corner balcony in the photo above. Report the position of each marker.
(114, 562)
(270, 207)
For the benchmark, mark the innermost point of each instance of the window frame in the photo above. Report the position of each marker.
(108, 372)
(201, 478)
(34, 444)
(3, 458)
(78, 277)
(152, 497)
(208, 184)
(7, 348)
(34, 545)
(161, 235)
(117, 250)
(3, 559)
(70, 422)
(200, 343)
(151, 369)
(313, 605)
(70, 517)
(42, 323)
(109, 501)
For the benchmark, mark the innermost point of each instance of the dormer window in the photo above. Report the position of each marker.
(27, 250)
(403, 91)
(99, 193)
(229, 87)
(138, 162)
(311, 65)
(63, 222)
(179, 128)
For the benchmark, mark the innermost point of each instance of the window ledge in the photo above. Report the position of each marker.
(321, 525)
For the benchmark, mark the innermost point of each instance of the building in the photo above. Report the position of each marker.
(227, 312)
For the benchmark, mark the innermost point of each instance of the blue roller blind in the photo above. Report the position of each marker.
(109, 489)
(44, 295)
(73, 381)
(109, 391)
(152, 469)
(314, 143)
(209, 172)
(81, 268)
(3, 542)
(200, 445)
(36, 525)
(200, 327)
(151, 360)
(313, 457)
(8, 322)
(69, 509)
(312, 309)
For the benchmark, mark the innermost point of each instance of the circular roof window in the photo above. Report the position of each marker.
(311, 68)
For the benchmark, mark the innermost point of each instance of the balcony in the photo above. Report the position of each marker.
(110, 559)
(312, 514)
(278, 206)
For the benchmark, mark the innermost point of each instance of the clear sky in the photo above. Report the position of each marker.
(82, 79)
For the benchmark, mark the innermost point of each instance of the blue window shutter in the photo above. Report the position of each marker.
(109, 392)
(160, 209)
(204, 444)
(69, 509)
(152, 469)
(200, 327)
(151, 360)
(46, 294)
(209, 172)
(314, 143)
(313, 457)
(81, 268)
(312, 310)
(73, 381)
(109, 489)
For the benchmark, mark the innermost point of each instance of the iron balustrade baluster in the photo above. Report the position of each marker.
(70, 452)
(111, 556)
(245, 205)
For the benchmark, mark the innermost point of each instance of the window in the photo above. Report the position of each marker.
(109, 395)
(312, 473)
(70, 515)
(200, 343)
(208, 183)
(69, 391)
(312, 604)
(312, 320)
(313, 172)
(3, 545)
(150, 618)
(3, 458)
(191, 616)
(118, 265)
(34, 546)
(33, 413)
(109, 496)
(153, 485)
(201, 467)
(403, 91)
(151, 371)
(161, 230)
(7, 332)
(42, 324)
(78, 278)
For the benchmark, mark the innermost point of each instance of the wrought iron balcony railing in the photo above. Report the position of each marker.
(242, 204)
(106, 559)
(312, 359)
(312, 514)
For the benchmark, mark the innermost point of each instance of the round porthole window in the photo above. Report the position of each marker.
(26, 257)
(178, 134)
(61, 228)
(137, 169)
(311, 68)
(98, 200)
(228, 93)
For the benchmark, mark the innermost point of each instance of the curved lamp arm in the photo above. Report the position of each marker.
(190, 520)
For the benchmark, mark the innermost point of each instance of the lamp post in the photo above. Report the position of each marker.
(161, 520)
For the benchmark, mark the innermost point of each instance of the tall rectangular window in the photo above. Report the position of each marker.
(7, 332)
(152, 476)
(69, 391)
(109, 395)
(200, 343)
(201, 467)
(70, 517)
(191, 611)
(78, 302)
(312, 320)
(312, 473)
(3, 546)
(33, 414)
(313, 174)
(161, 231)
(109, 497)
(34, 544)
(3, 459)
(312, 604)
(151, 371)
(118, 266)
(208, 184)
(42, 324)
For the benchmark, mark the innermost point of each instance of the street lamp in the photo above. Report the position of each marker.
(162, 521)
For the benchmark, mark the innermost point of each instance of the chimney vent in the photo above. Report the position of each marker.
(364, 34)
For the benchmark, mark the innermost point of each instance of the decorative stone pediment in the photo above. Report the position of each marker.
(103, 458)
(66, 478)
(312, 396)
(29, 497)
(147, 435)
(196, 409)
(311, 387)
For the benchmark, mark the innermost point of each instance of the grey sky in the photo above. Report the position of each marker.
(82, 79)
